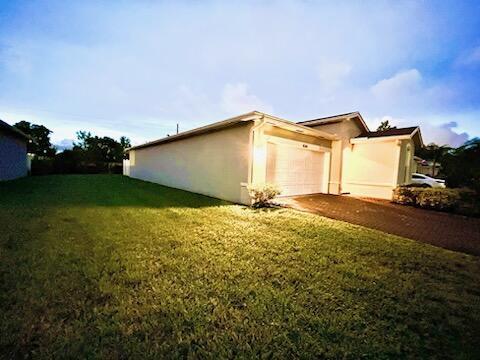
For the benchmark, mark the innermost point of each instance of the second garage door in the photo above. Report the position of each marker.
(295, 170)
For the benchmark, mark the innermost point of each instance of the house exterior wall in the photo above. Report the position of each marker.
(13, 157)
(221, 163)
(373, 168)
(345, 130)
(126, 166)
(214, 164)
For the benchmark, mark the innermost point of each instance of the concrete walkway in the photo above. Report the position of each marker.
(454, 232)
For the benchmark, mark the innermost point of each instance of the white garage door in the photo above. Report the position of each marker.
(295, 170)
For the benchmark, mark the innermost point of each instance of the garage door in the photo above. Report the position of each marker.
(295, 170)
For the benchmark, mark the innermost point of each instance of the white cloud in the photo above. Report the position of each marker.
(236, 99)
(441, 134)
(332, 73)
(444, 134)
(141, 67)
(65, 144)
(408, 94)
(401, 84)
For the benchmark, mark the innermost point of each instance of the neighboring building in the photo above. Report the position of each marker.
(333, 155)
(426, 167)
(13, 152)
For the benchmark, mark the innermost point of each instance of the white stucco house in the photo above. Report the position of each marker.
(333, 155)
(14, 162)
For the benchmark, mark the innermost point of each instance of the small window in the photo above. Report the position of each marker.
(417, 177)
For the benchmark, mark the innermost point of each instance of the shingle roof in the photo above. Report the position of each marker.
(328, 118)
(335, 119)
(251, 116)
(389, 132)
(197, 131)
(13, 130)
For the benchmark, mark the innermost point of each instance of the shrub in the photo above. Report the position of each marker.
(427, 198)
(438, 199)
(263, 194)
(469, 203)
(406, 195)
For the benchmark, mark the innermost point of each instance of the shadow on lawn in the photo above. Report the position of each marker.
(97, 190)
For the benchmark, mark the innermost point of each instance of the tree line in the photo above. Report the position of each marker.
(93, 154)
(89, 153)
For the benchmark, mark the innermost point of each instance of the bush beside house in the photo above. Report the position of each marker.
(263, 194)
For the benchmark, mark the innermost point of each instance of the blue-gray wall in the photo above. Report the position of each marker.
(13, 157)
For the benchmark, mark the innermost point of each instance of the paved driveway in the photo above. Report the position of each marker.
(449, 231)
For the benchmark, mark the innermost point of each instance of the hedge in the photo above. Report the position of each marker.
(462, 201)
(429, 198)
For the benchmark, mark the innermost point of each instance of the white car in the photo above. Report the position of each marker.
(427, 181)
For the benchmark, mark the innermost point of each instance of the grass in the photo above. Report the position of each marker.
(111, 267)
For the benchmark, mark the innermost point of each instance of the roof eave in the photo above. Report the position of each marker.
(420, 138)
(14, 131)
(302, 129)
(362, 120)
(390, 137)
(342, 117)
(328, 119)
(253, 115)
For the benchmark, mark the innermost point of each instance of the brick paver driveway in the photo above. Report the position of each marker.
(449, 231)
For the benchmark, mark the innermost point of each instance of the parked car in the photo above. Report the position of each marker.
(427, 181)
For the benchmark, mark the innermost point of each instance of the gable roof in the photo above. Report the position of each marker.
(12, 130)
(200, 130)
(412, 132)
(251, 116)
(337, 118)
(329, 118)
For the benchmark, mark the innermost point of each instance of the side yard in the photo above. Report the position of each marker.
(107, 266)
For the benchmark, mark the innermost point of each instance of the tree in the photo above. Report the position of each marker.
(434, 153)
(385, 125)
(461, 166)
(82, 137)
(97, 149)
(125, 142)
(39, 144)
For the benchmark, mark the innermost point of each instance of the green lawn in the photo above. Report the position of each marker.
(111, 267)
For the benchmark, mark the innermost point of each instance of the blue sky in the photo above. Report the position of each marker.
(136, 68)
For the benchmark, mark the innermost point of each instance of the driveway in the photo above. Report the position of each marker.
(448, 231)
